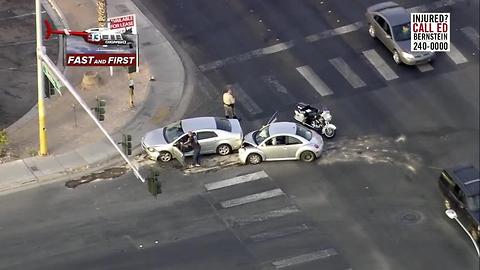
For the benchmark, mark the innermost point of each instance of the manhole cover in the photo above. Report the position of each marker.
(411, 218)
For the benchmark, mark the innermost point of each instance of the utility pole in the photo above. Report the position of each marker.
(42, 129)
(102, 13)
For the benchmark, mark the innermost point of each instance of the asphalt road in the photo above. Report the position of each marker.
(371, 201)
(18, 92)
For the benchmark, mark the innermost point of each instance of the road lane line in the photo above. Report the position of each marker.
(236, 180)
(262, 217)
(344, 69)
(308, 257)
(380, 65)
(425, 67)
(252, 198)
(259, 237)
(456, 56)
(245, 99)
(471, 34)
(314, 80)
(335, 32)
(275, 84)
(21, 15)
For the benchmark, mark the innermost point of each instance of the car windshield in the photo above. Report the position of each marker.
(173, 131)
(473, 203)
(304, 132)
(401, 32)
(260, 135)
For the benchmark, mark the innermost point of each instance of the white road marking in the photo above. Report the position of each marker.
(252, 198)
(334, 32)
(311, 38)
(308, 257)
(344, 69)
(471, 34)
(381, 66)
(272, 81)
(243, 98)
(314, 80)
(247, 56)
(21, 15)
(262, 217)
(425, 67)
(236, 180)
(456, 56)
(279, 233)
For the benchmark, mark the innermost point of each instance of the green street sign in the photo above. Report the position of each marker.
(53, 79)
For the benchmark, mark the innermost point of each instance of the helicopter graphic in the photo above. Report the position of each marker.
(100, 36)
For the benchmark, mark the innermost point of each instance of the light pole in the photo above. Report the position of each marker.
(453, 215)
(42, 129)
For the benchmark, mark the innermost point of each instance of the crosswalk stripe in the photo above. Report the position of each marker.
(344, 69)
(456, 56)
(245, 99)
(272, 81)
(236, 180)
(425, 67)
(471, 34)
(308, 257)
(252, 198)
(381, 66)
(279, 233)
(262, 217)
(314, 80)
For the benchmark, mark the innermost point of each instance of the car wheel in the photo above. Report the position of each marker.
(307, 156)
(396, 58)
(224, 149)
(254, 159)
(371, 31)
(164, 156)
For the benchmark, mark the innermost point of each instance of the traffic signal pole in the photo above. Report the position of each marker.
(71, 89)
(42, 129)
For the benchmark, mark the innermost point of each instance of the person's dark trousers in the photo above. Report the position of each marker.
(196, 156)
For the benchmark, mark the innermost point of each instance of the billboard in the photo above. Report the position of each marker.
(116, 45)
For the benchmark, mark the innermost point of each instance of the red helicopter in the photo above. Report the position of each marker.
(99, 36)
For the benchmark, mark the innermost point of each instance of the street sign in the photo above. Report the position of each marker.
(59, 87)
(125, 23)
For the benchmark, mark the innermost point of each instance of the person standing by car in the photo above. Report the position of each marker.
(229, 103)
(192, 142)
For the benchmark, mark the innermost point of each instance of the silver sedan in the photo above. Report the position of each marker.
(215, 135)
(390, 23)
(281, 141)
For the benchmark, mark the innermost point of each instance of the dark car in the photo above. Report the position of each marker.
(390, 23)
(460, 187)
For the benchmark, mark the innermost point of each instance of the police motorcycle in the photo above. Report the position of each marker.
(318, 120)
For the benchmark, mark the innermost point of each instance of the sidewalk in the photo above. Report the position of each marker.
(80, 149)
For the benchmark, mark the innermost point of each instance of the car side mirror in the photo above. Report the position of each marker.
(451, 213)
(388, 36)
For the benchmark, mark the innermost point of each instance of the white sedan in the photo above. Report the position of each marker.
(281, 141)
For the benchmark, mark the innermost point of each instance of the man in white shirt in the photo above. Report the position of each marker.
(229, 103)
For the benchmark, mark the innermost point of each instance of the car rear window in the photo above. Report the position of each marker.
(304, 132)
(223, 124)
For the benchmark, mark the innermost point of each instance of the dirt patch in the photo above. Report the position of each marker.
(370, 149)
(103, 175)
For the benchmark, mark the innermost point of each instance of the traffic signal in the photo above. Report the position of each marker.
(100, 109)
(154, 185)
(127, 144)
(49, 88)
